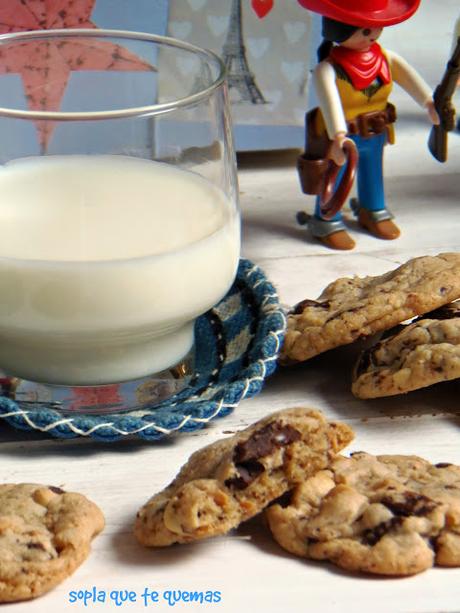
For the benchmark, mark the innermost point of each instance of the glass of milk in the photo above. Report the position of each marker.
(119, 214)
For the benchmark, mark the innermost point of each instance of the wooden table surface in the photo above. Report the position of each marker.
(247, 569)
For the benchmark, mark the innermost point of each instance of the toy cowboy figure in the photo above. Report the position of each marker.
(353, 81)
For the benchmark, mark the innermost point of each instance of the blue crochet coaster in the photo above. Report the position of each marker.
(237, 346)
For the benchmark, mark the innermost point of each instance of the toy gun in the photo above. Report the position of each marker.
(442, 97)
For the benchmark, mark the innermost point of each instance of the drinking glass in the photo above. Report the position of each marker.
(119, 214)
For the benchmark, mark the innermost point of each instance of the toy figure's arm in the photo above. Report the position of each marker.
(454, 41)
(331, 108)
(409, 79)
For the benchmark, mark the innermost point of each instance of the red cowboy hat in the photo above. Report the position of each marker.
(364, 13)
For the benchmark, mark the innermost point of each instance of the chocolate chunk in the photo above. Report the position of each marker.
(373, 535)
(411, 504)
(301, 306)
(36, 546)
(443, 465)
(56, 490)
(247, 472)
(263, 442)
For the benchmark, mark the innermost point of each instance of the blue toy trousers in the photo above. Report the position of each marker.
(371, 194)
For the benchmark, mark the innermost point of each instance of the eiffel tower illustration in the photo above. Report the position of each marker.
(239, 75)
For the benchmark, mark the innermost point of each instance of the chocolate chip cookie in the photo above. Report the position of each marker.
(233, 479)
(350, 308)
(388, 515)
(45, 534)
(422, 353)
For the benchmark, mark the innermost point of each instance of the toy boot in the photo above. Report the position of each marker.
(378, 223)
(330, 233)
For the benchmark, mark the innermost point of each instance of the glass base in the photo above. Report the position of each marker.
(99, 399)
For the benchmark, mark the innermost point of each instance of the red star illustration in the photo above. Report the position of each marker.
(34, 60)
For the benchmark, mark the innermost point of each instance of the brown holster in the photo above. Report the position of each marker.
(313, 164)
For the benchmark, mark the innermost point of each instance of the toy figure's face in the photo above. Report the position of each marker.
(362, 39)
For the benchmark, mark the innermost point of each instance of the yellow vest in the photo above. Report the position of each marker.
(357, 102)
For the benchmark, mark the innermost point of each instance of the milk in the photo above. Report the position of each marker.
(105, 261)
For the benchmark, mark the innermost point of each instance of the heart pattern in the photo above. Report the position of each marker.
(262, 7)
(197, 5)
(180, 29)
(217, 25)
(187, 65)
(294, 30)
(279, 62)
(293, 71)
(258, 46)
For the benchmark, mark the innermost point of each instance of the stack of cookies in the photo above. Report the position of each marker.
(388, 515)
(409, 357)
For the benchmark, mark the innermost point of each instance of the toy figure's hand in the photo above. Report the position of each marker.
(432, 113)
(336, 152)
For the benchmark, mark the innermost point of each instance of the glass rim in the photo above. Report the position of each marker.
(151, 109)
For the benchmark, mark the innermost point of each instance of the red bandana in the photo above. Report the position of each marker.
(363, 67)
